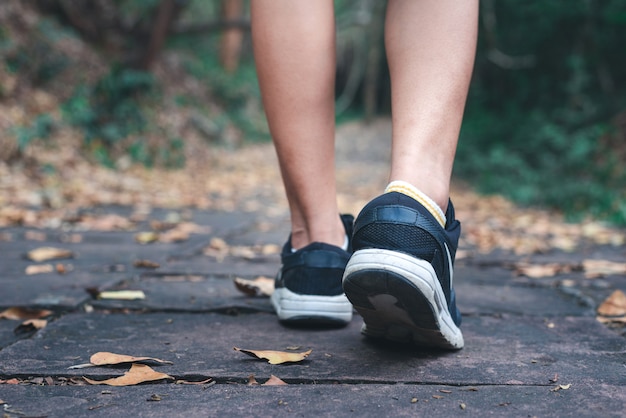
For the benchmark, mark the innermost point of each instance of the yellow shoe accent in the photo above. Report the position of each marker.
(413, 192)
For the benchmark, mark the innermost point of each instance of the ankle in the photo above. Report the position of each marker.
(333, 235)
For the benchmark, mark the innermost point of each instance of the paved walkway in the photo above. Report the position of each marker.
(533, 348)
(522, 340)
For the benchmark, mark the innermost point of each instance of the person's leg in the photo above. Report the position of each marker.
(430, 49)
(294, 49)
(400, 275)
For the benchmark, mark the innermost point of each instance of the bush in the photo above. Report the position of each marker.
(539, 129)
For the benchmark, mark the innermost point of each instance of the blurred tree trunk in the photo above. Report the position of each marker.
(375, 56)
(134, 40)
(167, 12)
(232, 38)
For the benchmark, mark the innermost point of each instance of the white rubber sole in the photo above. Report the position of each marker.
(297, 308)
(400, 299)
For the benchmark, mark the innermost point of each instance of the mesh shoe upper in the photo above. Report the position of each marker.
(316, 269)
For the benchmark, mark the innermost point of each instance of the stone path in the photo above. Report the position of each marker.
(522, 340)
(533, 348)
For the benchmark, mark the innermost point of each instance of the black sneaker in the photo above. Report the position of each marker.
(400, 276)
(308, 285)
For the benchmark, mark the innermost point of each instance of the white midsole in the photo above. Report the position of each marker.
(419, 272)
(292, 305)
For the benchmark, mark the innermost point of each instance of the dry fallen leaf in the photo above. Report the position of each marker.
(276, 357)
(274, 381)
(176, 234)
(39, 269)
(63, 268)
(109, 222)
(537, 271)
(612, 320)
(12, 381)
(122, 294)
(48, 253)
(31, 325)
(614, 305)
(599, 268)
(202, 382)
(24, 313)
(103, 358)
(138, 373)
(146, 264)
(261, 286)
(252, 381)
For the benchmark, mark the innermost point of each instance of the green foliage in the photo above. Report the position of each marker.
(237, 93)
(533, 130)
(113, 116)
(111, 110)
(36, 59)
(40, 128)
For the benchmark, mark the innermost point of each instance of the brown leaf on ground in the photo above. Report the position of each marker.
(63, 268)
(138, 373)
(188, 382)
(599, 268)
(252, 381)
(18, 313)
(122, 294)
(146, 264)
(537, 271)
(174, 235)
(612, 320)
(39, 269)
(275, 357)
(12, 381)
(48, 253)
(31, 325)
(109, 222)
(219, 249)
(104, 358)
(261, 286)
(274, 381)
(182, 232)
(614, 305)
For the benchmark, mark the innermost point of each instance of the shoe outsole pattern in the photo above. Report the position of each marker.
(296, 309)
(400, 299)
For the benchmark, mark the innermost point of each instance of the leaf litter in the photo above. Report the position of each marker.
(138, 373)
(48, 253)
(275, 357)
(19, 313)
(106, 358)
(272, 381)
(260, 286)
(612, 310)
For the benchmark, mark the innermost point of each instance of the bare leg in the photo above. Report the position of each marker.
(430, 48)
(294, 48)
